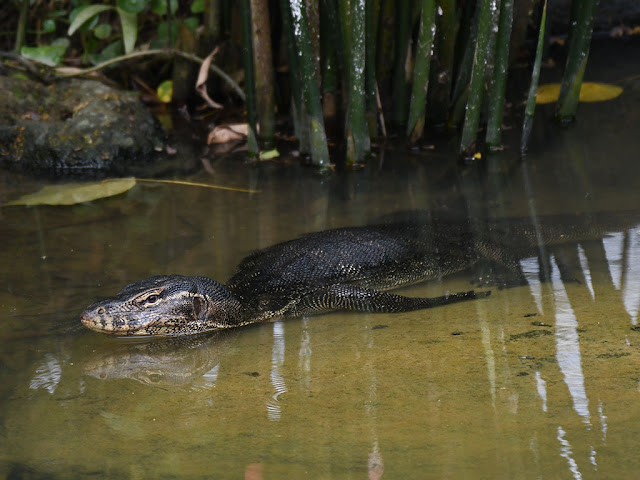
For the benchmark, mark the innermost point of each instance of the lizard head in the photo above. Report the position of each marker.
(164, 305)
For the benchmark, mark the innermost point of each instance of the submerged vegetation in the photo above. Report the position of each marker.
(347, 71)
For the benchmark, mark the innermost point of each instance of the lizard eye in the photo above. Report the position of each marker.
(152, 299)
(149, 299)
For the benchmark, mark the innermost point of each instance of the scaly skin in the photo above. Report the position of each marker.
(341, 269)
(332, 270)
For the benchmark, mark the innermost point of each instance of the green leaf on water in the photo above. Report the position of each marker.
(74, 193)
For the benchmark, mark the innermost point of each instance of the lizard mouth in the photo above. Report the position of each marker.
(105, 324)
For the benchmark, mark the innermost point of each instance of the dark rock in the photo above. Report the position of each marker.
(74, 127)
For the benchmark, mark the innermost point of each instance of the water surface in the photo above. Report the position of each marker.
(537, 381)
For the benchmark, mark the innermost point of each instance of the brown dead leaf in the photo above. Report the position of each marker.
(228, 133)
(201, 82)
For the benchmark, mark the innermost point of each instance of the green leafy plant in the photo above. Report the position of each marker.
(127, 11)
(50, 55)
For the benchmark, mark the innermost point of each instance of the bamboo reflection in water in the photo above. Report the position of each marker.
(568, 347)
(606, 268)
(274, 410)
(210, 378)
(304, 360)
(542, 390)
(489, 354)
(375, 462)
(623, 258)
(567, 453)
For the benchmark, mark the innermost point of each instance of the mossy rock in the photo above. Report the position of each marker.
(74, 126)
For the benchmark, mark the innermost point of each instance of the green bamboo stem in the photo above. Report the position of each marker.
(183, 72)
(300, 120)
(442, 64)
(249, 78)
(476, 86)
(533, 88)
(313, 24)
(498, 86)
(330, 37)
(371, 16)
(356, 132)
(319, 147)
(385, 36)
(469, 35)
(344, 17)
(491, 49)
(417, 109)
(465, 64)
(581, 27)
(264, 74)
(212, 19)
(22, 25)
(403, 32)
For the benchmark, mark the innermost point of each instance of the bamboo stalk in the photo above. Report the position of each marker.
(417, 109)
(581, 27)
(300, 120)
(476, 86)
(371, 14)
(212, 20)
(356, 132)
(468, 25)
(264, 74)
(319, 147)
(330, 37)
(22, 26)
(249, 78)
(497, 91)
(469, 35)
(385, 50)
(442, 64)
(403, 32)
(533, 88)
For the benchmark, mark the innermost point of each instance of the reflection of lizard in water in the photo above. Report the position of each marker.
(170, 361)
(340, 269)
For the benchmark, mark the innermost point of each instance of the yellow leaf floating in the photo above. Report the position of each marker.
(269, 154)
(74, 193)
(589, 92)
(165, 91)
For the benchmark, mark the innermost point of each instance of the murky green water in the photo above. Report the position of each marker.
(538, 381)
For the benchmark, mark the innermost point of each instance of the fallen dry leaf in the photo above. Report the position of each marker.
(589, 92)
(74, 193)
(228, 133)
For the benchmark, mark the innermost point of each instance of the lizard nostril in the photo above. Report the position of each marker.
(100, 310)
